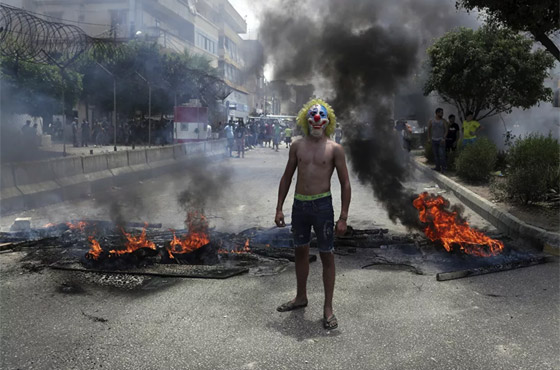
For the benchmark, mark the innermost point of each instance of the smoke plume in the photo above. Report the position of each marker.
(357, 54)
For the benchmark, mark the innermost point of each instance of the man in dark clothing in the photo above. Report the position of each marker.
(85, 132)
(240, 133)
(452, 134)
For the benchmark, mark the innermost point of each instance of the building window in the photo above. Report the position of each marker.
(205, 42)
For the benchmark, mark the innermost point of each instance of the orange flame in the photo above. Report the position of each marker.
(134, 243)
(95, 250)
(80, 225)
(195, 238)
(443, 225)
(245, 249)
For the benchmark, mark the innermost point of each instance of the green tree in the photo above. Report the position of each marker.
(539, 18)
(36, 89)
(171, 76)
(487, 71)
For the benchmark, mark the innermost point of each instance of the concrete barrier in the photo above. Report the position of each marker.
(137, 161)
(195, 149)
(179, 152)
(11, 198)
(118, 163)
(69, 175)
(96, 170)
(36, 181)
(159, 159)
(33, 184)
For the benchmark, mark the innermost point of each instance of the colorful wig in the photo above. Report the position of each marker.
(302, 117)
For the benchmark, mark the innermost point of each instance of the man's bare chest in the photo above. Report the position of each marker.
(315, 158)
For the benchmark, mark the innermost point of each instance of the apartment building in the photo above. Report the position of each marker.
(206, 27)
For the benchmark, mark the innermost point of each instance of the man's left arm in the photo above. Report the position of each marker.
(346, 191)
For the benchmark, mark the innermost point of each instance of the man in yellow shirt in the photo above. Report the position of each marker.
(470, 129)
(288, 136)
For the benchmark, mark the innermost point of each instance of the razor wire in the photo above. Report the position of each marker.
(33, 39)
(30, 38)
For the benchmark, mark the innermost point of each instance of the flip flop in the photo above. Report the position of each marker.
(330, 323)
(289, 306)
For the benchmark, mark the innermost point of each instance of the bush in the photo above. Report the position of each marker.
(451, 158)
(534, 167)
(501, 161)
(475, 161)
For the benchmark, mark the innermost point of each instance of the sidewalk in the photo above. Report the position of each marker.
(494, 213)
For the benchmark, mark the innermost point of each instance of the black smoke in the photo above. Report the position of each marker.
(358, 53)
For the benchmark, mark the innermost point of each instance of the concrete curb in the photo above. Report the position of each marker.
(503, 221)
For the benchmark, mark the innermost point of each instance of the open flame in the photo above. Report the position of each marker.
(195, 238)
(80, 225)
(95, 250)
(134, 243)
(443, 225)
(244, 249)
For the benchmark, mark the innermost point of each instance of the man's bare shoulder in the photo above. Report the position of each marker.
(336, 147)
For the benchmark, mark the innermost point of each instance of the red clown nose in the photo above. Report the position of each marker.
(317, 118)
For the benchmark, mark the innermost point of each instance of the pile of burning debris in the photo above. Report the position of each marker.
(197, 251)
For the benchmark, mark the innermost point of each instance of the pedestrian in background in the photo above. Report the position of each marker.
(288, 136)
(470, 129)
(452, 134)
(230, 137)
(437, 132)
(85, 132)
(338, 134)
(75, 132)
(277, 132)
(240, 133)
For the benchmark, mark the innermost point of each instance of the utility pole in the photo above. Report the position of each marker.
(114, 106)
(149, 108)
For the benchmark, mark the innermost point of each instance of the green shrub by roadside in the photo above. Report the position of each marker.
(475, 161)
(451, 158)
(534, 167)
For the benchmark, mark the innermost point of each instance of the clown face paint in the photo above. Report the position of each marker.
(317, 119)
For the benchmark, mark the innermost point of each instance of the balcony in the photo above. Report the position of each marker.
(170, 9)
(233, 18)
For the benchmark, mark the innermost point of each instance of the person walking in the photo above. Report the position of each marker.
(315, 157)
(288, 136)
(437, 132)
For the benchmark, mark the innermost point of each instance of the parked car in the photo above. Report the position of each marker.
(413, 135)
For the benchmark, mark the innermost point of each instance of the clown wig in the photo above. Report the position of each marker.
(302, 117)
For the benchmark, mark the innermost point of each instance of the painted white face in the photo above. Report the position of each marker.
(317, 120)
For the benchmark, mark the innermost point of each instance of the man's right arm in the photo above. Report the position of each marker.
(285, 183)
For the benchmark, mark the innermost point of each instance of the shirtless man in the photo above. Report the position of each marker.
(315, 156)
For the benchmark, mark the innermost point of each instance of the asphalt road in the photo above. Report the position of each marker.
(389, 319)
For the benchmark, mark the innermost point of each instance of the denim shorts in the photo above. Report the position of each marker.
(318, 213)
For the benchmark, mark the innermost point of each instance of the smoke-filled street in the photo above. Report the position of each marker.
(389, 318)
